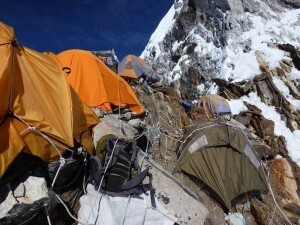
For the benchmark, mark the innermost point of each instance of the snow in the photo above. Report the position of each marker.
(253, 42)
(162, 29)
(176, 45)
(201, 88)
(269, 112)
(213, 90)
(177, 71)
(281, 86)
(263, 37)
(237, 106)
(294, 74)
(286, 92)
(246, 67)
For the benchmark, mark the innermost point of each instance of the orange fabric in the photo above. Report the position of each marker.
(96, 84)
(11, 144)
(84, 119)
(41, 97)
(83, 116)
(54, 57)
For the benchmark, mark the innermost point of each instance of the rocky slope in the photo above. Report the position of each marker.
(248, 52)
(200, 41)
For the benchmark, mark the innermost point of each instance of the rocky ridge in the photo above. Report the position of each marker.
(248, 52)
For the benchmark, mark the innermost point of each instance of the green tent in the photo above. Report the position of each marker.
(222, 157)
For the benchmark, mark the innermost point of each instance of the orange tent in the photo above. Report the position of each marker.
(36, 104)
(96, 84)
(83, 116)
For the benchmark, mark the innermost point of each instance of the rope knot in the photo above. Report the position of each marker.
(14, 43)
(62, 161)
(31, 128)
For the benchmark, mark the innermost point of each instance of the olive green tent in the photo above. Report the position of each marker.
(222, 157)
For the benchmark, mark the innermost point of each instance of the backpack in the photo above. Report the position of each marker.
(120, 174)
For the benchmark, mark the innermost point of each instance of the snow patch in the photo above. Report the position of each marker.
(265, 33)
(269, 112)
(201, 88)
(237, 106)
(286, 92)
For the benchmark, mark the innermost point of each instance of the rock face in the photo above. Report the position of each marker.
(206, 39)
(234, 48)
(20, 207)
(247, 51)
(283, 171)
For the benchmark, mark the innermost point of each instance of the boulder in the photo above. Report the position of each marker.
(264, 151)
(16, 209)
(244, 118)
(283, 172)
(111, 127)
(262, 213)
(137, 123)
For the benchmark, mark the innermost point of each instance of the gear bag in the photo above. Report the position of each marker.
(120, 173)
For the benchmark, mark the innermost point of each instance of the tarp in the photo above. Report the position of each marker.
(99, 209)
(134, 67)
(34, 92)
(221, 156)
(215, 106)
(96, 84)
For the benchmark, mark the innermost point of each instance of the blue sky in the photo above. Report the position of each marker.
(57, 25)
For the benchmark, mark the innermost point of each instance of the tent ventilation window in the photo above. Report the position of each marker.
(199, 143)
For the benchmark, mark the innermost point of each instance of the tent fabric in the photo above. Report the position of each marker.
(134, 67)
(96, 84)
(215, 105)
(84, 119)
(34, 92)
(221, 156)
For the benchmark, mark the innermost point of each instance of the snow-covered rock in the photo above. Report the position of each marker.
(198, 41)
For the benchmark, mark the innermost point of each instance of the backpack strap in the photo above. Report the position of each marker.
(114, 157)
(95, 169)
(152, 197)
(136, 181)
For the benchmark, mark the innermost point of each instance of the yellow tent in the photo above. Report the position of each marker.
(96, 84)
(36, 109)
